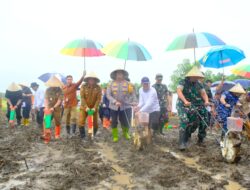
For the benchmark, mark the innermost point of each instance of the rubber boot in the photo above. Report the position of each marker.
(47, 136)
(73, 129)
(24, 122)
(125, 132)
(82, 132)
(95, 130)
(106, 123)
(68, 129)
(182, 139)
(115, 134)
(27, 122)
(57, 132)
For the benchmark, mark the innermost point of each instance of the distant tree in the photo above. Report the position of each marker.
(179, 73)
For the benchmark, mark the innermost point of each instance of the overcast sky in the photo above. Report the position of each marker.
(33, 32)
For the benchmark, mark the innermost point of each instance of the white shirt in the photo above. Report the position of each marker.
(148, 100)
(39, 98)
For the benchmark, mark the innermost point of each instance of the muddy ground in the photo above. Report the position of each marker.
(27, 163)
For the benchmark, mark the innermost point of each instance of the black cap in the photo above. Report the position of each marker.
(33, 84)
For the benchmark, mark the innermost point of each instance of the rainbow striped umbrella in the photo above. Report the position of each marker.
(127, 50)
(242, 70)
(194, 40)
(83, 48)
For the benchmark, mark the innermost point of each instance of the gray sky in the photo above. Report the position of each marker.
(34, 31)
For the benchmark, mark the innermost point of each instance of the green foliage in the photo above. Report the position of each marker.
(185, 66)
(179, 73)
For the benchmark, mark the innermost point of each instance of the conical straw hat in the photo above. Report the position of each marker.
(91, 75)
(195, 72)
(237, 89)
(113, 73)
(54, 82)
(24, 84)
(13, 87)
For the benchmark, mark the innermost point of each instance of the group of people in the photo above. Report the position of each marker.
(198, 108)
(114, 103)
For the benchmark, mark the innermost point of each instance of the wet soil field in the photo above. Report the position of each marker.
(27, 163)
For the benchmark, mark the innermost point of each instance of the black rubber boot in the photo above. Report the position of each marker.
(95, 130)
(182, 139)
(82, 132)
(74, 129)
(68, 129)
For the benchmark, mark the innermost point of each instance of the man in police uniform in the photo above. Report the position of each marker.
(121, 95)
(91, 94)
(192, 99)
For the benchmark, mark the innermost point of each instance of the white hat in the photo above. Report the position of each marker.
(13, 87)
(54, 82)
(113, 73)
(195, 72)
(91, 75)
(237, 89)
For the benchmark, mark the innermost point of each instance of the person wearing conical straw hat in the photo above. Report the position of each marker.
(14, 97)
(70, 103)
(53, 103)
(121, 95)
(192, 99)
(91, 94)
(26, 103)
(229, 99)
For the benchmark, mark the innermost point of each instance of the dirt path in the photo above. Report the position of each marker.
(27, 163)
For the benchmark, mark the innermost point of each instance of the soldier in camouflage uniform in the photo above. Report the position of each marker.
(91, 94)
(121, 95)
(53, 101)
(162, 94)
(192, 99)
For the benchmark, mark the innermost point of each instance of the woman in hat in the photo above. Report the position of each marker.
(91, 94)
(14, 99)
(26, 104)
(121, 95)
(192, 99)
(228, 101)
(53, 103)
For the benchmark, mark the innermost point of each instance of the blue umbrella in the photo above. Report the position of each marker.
(46, 76)
(222, 56)
(226, 85)
(243, 82)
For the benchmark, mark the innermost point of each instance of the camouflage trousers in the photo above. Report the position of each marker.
(190, 120)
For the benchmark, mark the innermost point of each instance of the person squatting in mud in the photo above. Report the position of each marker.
(91, 94)
(192, 99)
(121, 95)
(70, 104)
(228, 101)
(53, 104)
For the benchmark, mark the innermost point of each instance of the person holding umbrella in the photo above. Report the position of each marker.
(91, 94)
(192, 99)
(121, 95)
(14, 97)
(53, 104)
(70, 102)
(162, 94)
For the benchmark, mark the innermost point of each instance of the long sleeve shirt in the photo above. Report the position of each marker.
(148, 100)
(70, 98)
(122, 92)
(39, 98)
